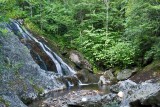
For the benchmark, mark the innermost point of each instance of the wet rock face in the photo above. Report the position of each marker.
(20, 75)
(41, 58)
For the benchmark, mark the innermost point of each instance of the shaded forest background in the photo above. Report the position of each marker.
(109, 33)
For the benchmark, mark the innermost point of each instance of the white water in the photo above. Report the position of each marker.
(63, 64)
(70, 84)
(21, 31)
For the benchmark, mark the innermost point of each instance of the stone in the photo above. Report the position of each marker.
(125, 74)
(136, 95)
(84, 99)
(151, 71)
(75, 58)
(78, 59)
(102, 80)
(109, 74)
(120, 94)
(122, 85)
(148, 94)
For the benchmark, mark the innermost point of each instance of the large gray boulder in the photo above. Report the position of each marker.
(19, 74)
(145, 94)
(122, 86)
(137, 95)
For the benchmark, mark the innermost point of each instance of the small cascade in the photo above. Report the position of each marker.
(64, 66)
(70, 84)
(61, 67)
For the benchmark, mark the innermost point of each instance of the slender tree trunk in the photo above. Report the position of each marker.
(31, 10)
(41, 16)
(107, 15)
(107, 20)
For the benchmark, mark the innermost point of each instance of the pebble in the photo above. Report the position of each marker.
(120, 94)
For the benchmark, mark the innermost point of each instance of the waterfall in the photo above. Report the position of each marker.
(61, 67)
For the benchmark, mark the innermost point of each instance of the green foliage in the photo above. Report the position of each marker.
(109, 50)
(122, 54)
(142, 26)
(154, 52)
(124, 34)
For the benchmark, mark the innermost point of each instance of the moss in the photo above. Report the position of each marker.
(155, 66)
(117, 70)
(6, 103)
(38, 89)
(17, 66)
(4, 31)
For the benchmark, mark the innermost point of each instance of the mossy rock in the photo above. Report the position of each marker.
(151, 71)
(38, 89)
(6, 103)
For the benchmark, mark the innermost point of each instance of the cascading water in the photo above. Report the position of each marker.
(61, 67)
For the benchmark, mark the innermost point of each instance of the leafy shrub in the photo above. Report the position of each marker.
(107, 50)
(121, 54)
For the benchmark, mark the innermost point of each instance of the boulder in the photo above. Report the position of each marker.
(107, 77)
(86, 77)
(125, 74)
(78, 59)
(144, 94)
(108, 74)
(103, 80)
(136, 95)
(122, 86)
